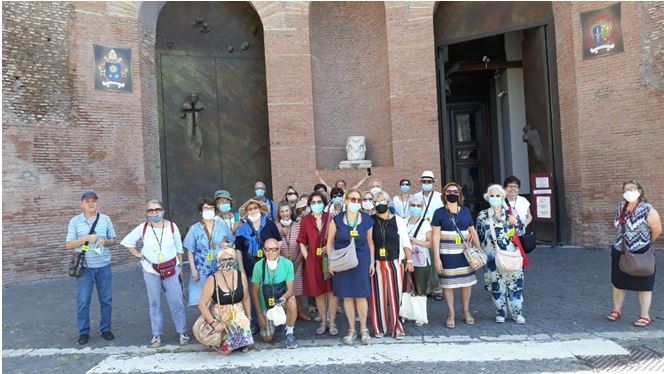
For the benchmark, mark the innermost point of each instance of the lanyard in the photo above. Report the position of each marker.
(209, 234)
(357, 217)
(231, 290)
(159, 240)
(383, 229)
(404, 205)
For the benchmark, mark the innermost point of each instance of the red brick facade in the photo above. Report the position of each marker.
(62, 137)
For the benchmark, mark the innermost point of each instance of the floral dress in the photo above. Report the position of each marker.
(506, 288)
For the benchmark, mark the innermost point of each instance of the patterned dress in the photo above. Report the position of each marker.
(457, 272)
(634, 229)
(506, 288)
(291, 250)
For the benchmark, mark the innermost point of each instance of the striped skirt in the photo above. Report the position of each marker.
(457, 272)
(385, 300)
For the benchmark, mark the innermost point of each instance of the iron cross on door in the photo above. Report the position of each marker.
(190, 113)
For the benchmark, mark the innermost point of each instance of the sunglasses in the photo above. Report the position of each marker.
(156, 210)
(271, 249)
(495, 196)
(292, 193)
(355, 199)
(416, 205)
(316, 202)
(427, 181)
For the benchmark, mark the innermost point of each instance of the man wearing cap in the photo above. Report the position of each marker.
(272, 210)
(432, 199)
(93, 233)
(223, 204)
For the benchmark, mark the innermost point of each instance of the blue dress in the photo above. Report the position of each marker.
(354, 282)
(457, 272)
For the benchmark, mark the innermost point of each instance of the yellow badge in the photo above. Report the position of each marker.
(353, 233)
(259, 254)
(85, 248)
(270, 301)
(232, 313)
(457, 239)
(382, 252)
(209, 256)
(290, 258)
(161, 257)
(511, 232)
(319, 251)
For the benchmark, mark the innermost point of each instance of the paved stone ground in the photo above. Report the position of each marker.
(567, 292)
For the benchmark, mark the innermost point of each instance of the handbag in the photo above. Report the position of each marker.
(413, 307)
(528, 240)
(166, 269)
(203, 331)
(475, 256)
(343, 258)
(636, 264)
(506, 261)
(326, 267)
(272, 292)
(78, 258)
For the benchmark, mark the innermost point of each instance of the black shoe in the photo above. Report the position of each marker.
(83, 339)
(107, 335)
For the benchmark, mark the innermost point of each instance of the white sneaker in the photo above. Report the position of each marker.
(419, 323)
(184, 339)
(155, 342)
(500, 319)
(520, 319)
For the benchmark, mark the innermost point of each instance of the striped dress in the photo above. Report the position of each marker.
(457, 272)
(291, 250)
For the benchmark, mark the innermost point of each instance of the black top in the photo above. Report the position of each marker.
(225, 297)
(386, 235)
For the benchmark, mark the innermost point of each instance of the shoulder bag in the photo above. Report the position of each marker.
(636, 264)
(506, 261)
(78, 258)
(203, 331)
(272, 292)
(343, 258)
(475, 256)
(528, 240)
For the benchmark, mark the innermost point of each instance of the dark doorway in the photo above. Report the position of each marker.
(212, 103)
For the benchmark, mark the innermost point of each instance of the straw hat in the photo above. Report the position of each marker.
(261, 205)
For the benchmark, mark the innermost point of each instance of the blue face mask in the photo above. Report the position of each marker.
(426, 187)
(495, 201)
(354, 207)
(405, 188)
(317, 208)
(154, 219)
(225, 208)
(260, 192)
(337, 200)
(415, 211)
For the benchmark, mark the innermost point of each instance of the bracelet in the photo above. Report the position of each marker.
(409, 261)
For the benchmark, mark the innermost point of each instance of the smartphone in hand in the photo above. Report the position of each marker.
(369, 171)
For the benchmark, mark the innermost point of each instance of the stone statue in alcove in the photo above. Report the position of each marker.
(532, 138)
(356, 150)
(193, 136)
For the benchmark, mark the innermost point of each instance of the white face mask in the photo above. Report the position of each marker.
(253, 217)
(291, 198)
(208, 214)
(375, 190)
(272, 264)
(631, 196)
(367, 205)
(286, 222)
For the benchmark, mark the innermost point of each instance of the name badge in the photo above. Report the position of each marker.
(85, 248)
(353, 233)
(428, 219)
(382, 252)
(319, 251)
(209, 256)
(161, 257)
(270, 301)
(511, 232)
(259, 254)
(457, 239)
(290, 258)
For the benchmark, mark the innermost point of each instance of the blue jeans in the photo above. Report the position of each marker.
(90, 276)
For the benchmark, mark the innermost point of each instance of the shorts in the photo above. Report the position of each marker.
(269, 327)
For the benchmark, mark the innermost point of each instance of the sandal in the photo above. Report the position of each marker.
(450, 322)
(334, 331)
(642, 322)
(365, 336)
(321, 329)
(349, 338)
(468, 318)
(614, 315)
(304, 317)
(438, 296)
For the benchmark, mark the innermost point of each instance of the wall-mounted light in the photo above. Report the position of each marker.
(501, 94)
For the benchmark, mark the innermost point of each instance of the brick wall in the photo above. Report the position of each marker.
(611, 116)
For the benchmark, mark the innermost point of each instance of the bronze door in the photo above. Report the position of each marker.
(471, 152)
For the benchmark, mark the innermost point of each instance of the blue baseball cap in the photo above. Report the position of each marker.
(89, 195)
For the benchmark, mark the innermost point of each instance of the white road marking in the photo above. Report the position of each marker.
(375, 353)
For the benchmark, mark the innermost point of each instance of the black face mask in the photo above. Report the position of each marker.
(381, 208)
(452, 198)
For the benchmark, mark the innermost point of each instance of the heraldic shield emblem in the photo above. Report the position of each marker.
(112, 68)
(602, 32)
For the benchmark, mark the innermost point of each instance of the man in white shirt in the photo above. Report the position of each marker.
(432, 199)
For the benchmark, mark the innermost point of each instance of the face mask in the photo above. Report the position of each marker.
(224, 208)
(495, 201)
(631, 196)
(355, 207)
(415, 211)
(208, 214)
(452, 198)
(227, 264)
(291, 198)
(382, 208)
(367, 205)
(337, 200)
(375, 190)
(427, 187)
(253, 217)
(405, 188)
(286, 222)
(272, 264)
(260, 192)
(154, 219)
(317, 208)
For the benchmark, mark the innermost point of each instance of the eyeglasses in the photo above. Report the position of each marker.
(453, 192)
(416, 205)
(405, 184)
(316, 202)
(271, 249)
(427, 181)
(292, 193)
(383, 202)
(367, 199)
(495, 196)
(512, 186)
(355, 199)
(156, 210)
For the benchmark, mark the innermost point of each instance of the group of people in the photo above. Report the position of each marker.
(248, 268)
